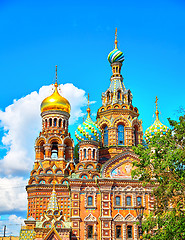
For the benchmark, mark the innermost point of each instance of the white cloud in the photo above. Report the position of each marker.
(21, 122)
(13, 225)
(13, 194)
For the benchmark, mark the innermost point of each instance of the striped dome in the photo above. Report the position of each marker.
(156, 127)
(88, 130)
(116, 56)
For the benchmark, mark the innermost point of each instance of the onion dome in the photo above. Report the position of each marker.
(55, 101)
(88, 130)
(156, 127)
(116, 55)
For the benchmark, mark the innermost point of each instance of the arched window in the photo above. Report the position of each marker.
(50, 122)
(59, 123)
(118, 202)
(139, 201)
(129, 231)
(105, 136)
(54, 150)
(119, 95)
(64, 124)
(135, 136)
(90, 201)
(128, 201)
(93, 153)
(90, 231)
(121, 134)
(45, 123)
(118, 231)
(55, 122)
(85, 153)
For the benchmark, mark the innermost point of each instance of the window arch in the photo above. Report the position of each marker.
(121, 140)
(105, 136)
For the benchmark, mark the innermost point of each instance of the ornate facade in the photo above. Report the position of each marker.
(93, 197)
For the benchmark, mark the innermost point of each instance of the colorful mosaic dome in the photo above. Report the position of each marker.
(88, 130)
(116, 56)
(156, 127)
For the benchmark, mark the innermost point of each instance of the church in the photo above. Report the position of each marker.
(91, 194)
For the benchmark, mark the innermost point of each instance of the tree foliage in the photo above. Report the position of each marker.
(162, 164)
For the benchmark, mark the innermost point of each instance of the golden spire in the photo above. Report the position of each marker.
(88, 109)
(156, 111)
(116, 41)
(56, 83)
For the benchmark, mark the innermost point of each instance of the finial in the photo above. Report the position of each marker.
(156, 111)
(88, 109)
(56, 83)
(116, 41)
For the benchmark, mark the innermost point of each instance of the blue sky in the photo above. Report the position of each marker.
(77, 36)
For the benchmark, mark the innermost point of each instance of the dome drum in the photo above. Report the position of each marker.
(57, 112)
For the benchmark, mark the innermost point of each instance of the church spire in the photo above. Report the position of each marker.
(156, 111)
(116, 41)
(88, 108)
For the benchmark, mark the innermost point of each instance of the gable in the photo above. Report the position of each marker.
(120, 166)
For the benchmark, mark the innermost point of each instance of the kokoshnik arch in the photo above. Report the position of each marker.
(94, 196)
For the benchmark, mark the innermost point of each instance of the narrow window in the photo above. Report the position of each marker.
(118, 231)
(135, 137)
(59, 122)
(108, 97)
(120, 134)
(105, 135)
(90, 231)
(90, 201)
(89, 154)
(139, 201)
(128, 201)
(119, 95)
(64, 124)
(129, 231)
(54, 150)
(85, 153)
(55, 122)
(45, 123)
(93, 153)
(118, 201)
(50, 122)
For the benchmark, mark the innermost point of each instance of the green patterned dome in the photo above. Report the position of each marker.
(156, 127)
(88, 130)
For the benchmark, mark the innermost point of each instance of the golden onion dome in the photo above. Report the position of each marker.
(55, 102)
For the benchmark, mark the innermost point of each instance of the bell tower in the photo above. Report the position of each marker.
(117, 117)
(53, 152)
